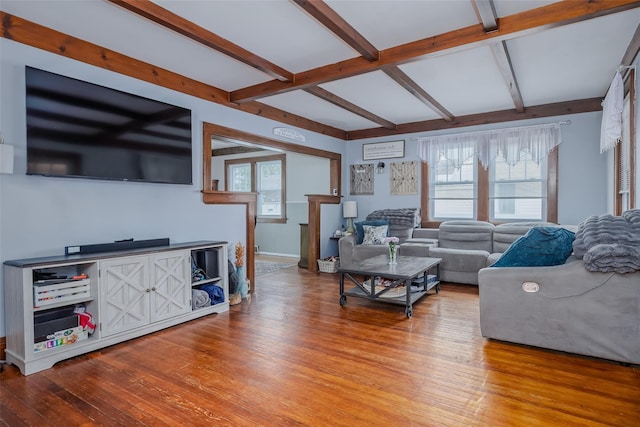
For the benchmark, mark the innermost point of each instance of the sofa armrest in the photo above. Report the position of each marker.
(346, 245)
(564, 307)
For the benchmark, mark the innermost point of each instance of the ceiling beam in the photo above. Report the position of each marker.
(341, 28)
(31, 34)
(334, 22)
(228, 151)
(632, 49)
(35, 35)
(486, 11)
(534, 112)
(416, 90)
(512, 26)
(168, 19)
(503, 60)
(343, 103)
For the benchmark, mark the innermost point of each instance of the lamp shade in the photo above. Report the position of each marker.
(349, 209)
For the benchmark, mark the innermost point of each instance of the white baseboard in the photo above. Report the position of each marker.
(279, 254)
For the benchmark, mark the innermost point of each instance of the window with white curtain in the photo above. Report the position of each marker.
(454, 189)
(516, 180)
(518, 192)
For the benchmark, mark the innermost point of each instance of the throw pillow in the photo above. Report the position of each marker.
(360, 230)
(374, 235)
(541, 246)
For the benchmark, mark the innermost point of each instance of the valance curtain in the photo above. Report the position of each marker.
(611, 127)
(488, 145)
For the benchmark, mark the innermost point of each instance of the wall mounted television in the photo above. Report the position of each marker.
(83, 130)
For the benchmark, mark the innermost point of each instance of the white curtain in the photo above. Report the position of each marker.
(488, 145)
(611, 127)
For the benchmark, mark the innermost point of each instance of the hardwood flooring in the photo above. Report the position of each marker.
(293, 356)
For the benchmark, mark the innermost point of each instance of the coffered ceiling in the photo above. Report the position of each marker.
(352, 69)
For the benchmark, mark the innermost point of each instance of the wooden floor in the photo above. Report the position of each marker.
(293, 356)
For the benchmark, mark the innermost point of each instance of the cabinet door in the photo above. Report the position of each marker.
(124, 294)
(170, 285)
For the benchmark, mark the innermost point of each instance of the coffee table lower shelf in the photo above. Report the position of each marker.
(399, 300)
(399, 277)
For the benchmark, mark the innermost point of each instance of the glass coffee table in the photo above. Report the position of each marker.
(403, 283)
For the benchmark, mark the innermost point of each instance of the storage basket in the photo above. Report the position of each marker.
(46, 293)
(328, 266)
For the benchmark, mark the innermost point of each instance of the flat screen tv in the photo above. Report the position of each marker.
(83, 130)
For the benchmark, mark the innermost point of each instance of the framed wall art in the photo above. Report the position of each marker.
(362, 179)
(404, 178)
(383, 150)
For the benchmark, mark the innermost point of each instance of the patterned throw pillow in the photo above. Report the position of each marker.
(374, 235)
(360, 230)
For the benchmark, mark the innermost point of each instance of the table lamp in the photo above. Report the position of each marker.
(350, 211)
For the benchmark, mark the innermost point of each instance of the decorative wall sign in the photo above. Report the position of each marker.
(362, 179)
(289, 133)
(383, 150)
(404, 178)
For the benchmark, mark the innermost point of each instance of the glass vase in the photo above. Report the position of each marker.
(393, 254)
(243, 288)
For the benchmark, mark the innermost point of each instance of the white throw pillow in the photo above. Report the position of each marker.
(374, 235)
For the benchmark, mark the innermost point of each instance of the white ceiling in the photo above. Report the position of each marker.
(570, 62)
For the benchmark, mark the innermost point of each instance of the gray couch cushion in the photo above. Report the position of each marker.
(466, 235)
(425, 233)
(460, 265)
(401, 232)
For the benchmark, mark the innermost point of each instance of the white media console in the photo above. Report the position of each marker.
(128, 293)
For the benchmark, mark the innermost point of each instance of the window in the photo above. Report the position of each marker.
(623, 160)
(454, 190)
(239, 177)
(269, 188)
(265, 176)
(517, 192)
(505, 195)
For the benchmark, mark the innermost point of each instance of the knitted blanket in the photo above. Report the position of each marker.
(609, 243)
(408, 217)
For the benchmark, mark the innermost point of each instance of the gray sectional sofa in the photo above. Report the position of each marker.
(590, 305)
(402, 224)
(564, 307)
(464, 246)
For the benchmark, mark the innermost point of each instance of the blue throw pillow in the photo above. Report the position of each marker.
(541, 246)
(360, 227)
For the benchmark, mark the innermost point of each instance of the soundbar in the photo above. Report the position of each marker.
(118, 245)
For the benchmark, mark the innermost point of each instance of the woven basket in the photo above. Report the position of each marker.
(328, 266)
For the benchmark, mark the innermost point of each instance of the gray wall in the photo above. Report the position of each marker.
(39, 216)
(305, 175)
